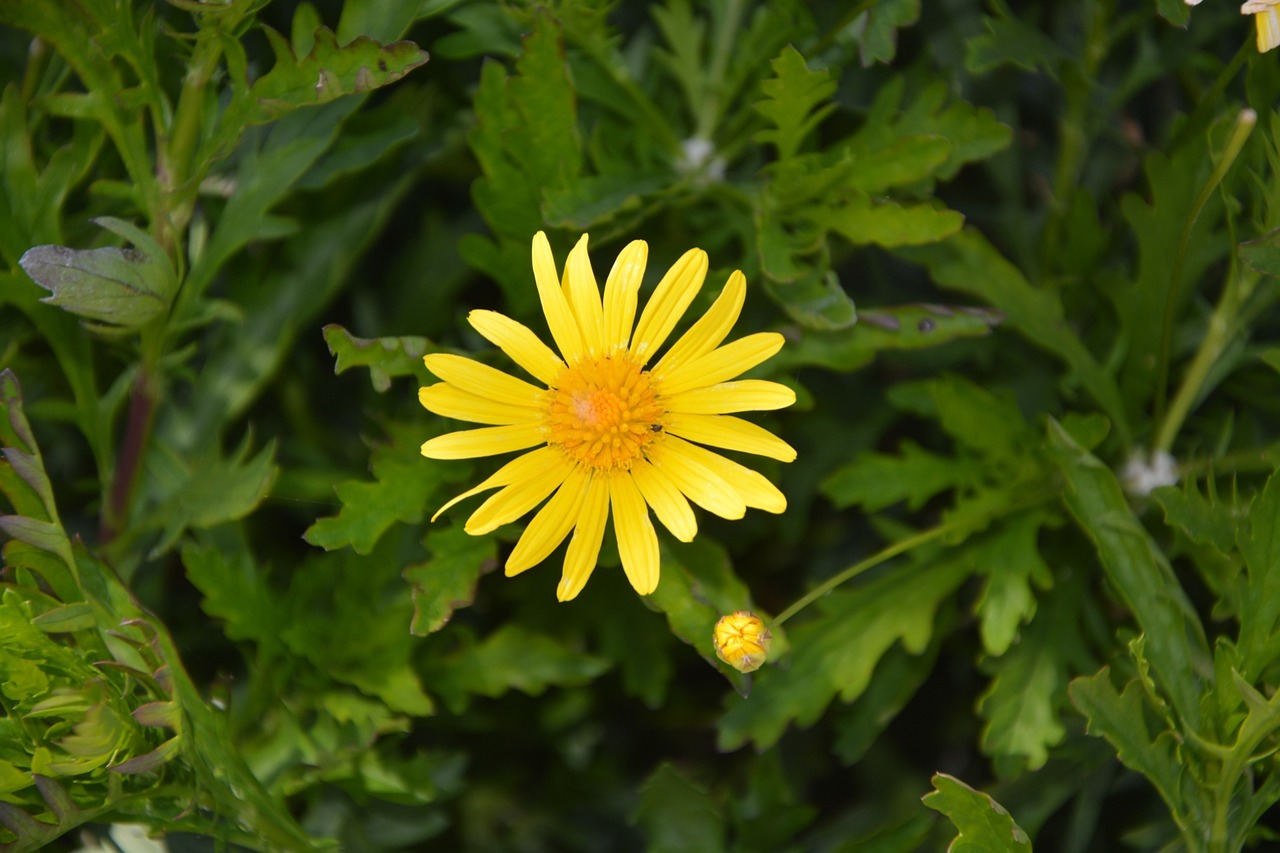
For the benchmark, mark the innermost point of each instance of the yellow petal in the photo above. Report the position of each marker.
(744, 395)
(519, 343)
(564, 328)
(730, 433)
(482, 380)
(516, 499)
(549, 527)
(621, 292)
(668, 303)
(1268, 24)
(730, 360)
(711, 328)
(583, 293)
(671, 507)
(699, 483)
(753, 487)
(520, 468)
(486, 441)
(637, 540)
(584, 547)
(449, 401)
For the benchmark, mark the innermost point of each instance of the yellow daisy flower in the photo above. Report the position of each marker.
(1266, 15)
(610, 433)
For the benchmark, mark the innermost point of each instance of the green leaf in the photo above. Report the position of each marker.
(1205, 521)
(403, 484)
(1139, 573)
(877, 480)
(878, 41)
(677, 815)
(117, 286)
(898, 676)
(1011, 561)
(447, 581)
(1176, 12)
(983, 824)
(235, 591)
(835, 653)
(968, 263)
(511, 658)
(906, 327)
(385, 357)
(976, 418)
(1010, 41)
(817, 301)
(545, 142)
(904, 161)
(792, 102)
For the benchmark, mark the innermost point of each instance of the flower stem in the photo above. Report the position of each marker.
(1169, 423)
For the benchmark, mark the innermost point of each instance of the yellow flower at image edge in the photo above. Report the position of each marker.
(610, 434)
(741, 640)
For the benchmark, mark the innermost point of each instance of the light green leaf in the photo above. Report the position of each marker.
(817, 301)
(988, 423)
(678, 816)
(794, 102)
(905, 160)
(1204, 520)
(447, 581)
(116, 286)
(1011, 561)
(385, 357)
(886, 223)
(984, 826)
(235, 591)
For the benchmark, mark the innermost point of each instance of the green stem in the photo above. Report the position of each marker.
(871, 562)
(1169, 427)
(707, 114)
(176, 158)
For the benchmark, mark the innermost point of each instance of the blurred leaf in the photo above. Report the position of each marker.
(118, 286)
(816, 301)
(1139, 573)
(1010, 559)
(836, 652)
(203, 492)
(385, 357)
(987, 423)
(877, 480)
(879, 37)
(967, 262)
(1205, 521)
(768, 816)
(447, 581)
(898, 676)
(1022, 705)
(403, 483)
(678, 816)
(904, 161)
(1263, 254)
(1176, 12)
(233, 590)
(885, 223)
(1010, 41)
(984, 826)
(1259, 543)
(511, 658)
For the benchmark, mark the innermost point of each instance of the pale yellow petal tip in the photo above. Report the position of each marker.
(1268, 23)
(741, 640)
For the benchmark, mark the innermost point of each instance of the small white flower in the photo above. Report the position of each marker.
(698, 155)
(1142, 473)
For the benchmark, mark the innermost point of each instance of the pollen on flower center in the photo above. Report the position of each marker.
(604, 412)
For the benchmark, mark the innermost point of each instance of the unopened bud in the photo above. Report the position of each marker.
(742, 640)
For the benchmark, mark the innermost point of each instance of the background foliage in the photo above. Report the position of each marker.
(1024, 257)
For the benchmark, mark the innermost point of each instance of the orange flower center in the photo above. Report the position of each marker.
(604, 412)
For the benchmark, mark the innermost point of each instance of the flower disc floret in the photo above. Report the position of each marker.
(604, 412)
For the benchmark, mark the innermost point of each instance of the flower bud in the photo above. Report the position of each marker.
(742, 641)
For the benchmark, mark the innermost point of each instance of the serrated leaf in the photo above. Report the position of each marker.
(234, 591)
(877, 480)
(835, 654)
(676, 815)
(1011, 561)
(794, 101)
(1204, 521)
(878, 40)
(862, 221)
(817, 301)
(1138, 572)
(385, 357)
(1259, 543)
(511, 658)
(447, 581)
(906, 160)
(1010, 41)
(117, 286)
(988, 423)
(984, 825)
